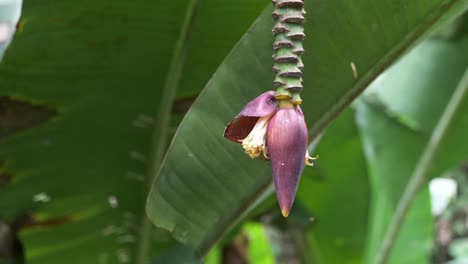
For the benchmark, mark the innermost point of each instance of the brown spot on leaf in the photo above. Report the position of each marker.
(17, 115)
(20, 25)
(31, 222)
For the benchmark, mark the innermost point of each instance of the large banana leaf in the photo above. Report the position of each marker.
(206, 183)
(396, 122)
(79, 92)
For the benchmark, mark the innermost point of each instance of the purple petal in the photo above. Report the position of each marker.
(240, 127)
(287, 145)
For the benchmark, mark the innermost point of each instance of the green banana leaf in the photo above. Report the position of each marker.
(80, 88)
(206, 184)
(396, 119)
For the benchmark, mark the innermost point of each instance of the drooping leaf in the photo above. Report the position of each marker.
(206, 183)
(396, 120)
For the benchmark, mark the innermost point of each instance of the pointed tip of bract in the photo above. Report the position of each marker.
(285, 205)
(285, 212)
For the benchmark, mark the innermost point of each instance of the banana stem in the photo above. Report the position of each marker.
(289, 34)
